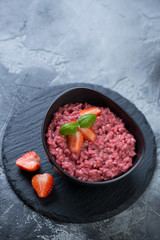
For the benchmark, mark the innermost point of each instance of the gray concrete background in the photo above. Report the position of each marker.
(112, 43)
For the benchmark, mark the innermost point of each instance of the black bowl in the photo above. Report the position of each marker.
(97, 99)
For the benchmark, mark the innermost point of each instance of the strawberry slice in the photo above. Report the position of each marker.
(75, 141)
(93, 110)
(29, 161)
(43, 184)
(88, 134)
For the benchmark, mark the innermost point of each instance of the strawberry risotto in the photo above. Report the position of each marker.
(110, 155)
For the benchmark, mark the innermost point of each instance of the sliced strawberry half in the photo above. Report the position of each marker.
(75, 142)
(29, 161)
(88, 134)
(43, 184)
(93, 110)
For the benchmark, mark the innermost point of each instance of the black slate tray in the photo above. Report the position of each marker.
(68, 201)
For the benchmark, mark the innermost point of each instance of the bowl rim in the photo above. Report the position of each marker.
(89, 183)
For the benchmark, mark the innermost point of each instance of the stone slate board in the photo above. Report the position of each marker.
(70, 202)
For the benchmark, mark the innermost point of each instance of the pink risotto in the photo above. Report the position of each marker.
(109, 156)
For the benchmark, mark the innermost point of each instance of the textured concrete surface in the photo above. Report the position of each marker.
(112, 43)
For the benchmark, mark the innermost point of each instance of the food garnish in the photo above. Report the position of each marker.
(43, 184)
(29, 161)
(84, 121)
(93, 110)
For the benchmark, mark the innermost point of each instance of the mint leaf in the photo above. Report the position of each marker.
(68, 129)
(85, 121)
